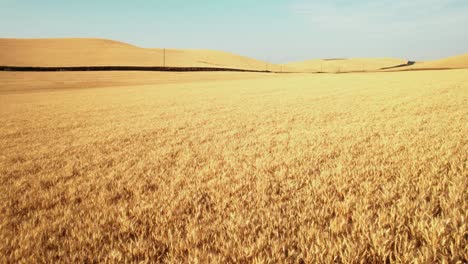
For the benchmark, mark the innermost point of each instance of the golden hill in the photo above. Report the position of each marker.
(68, 52)
(455, 62)
(345, 65)
(100, 52)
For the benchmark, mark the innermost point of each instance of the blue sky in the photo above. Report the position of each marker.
(274, 30)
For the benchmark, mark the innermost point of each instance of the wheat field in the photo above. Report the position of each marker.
(270, 168)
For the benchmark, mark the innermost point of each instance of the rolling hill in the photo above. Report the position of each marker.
(345, 65)
(455, 62)
(72, 52)
(75, 52)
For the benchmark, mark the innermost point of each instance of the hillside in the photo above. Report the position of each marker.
(455, 62)
(100, 52)
(345, 65)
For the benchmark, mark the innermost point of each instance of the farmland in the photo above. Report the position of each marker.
(234, 167)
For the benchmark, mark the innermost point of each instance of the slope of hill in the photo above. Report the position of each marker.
(100, 52)
(72, 52)
(345, 65)
(456, 62)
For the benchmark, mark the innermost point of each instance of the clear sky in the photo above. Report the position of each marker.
(273, 30)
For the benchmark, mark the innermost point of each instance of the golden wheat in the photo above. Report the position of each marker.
(288, 168)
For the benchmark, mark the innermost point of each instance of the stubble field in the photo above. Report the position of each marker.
(367, 167)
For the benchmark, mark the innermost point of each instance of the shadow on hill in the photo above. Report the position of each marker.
(409, 63)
